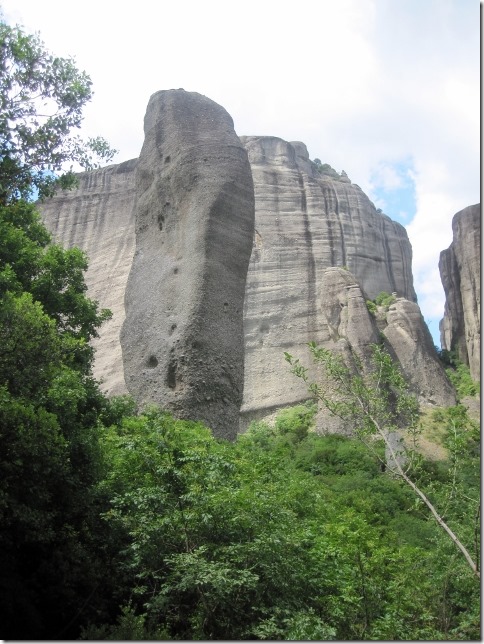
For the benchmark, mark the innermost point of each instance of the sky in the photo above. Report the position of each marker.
(387, 90)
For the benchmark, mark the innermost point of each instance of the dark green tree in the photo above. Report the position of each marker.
(50, 407)
(53, 548)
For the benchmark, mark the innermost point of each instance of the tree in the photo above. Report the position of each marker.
(379, 403)
(41, 101)
(54, 549)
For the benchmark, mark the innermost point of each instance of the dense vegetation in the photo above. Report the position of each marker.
(124, 525)
(459, 374)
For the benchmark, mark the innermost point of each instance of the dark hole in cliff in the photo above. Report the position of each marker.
(175, 270)
(167, 159)
(171, 374)
(152, 362)
(161, 220)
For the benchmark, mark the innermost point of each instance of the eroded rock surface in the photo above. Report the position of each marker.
(460, 272)
(305, 223)
(353, 330)
(98, 217)
(412, 344)
(182, 339)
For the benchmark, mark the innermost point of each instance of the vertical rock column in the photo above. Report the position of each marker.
(182, 340)
(460, 272)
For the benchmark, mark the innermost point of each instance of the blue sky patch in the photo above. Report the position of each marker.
(393, 190)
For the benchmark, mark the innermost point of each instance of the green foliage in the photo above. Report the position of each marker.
(383, 299)
(50, 409)
(268, 538)
(460, 377)
(326, 170)
(296, 421)
(458, 374)
(41, 101)
(372, 307)
(377, 400)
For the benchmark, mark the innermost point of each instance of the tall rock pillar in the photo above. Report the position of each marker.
(460, 272)
(182, 340)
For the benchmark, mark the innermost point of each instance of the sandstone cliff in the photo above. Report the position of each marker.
(98, 217)
(352, 329)
(185, 289)
(305, 223)
(460, 272)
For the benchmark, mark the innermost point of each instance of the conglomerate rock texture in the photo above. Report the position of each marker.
(192, 195)
(460, 272)
(182, 339)
(352, 331)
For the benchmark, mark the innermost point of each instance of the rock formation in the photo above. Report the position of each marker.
(460, 272)
(305, 223)
(410, 342)
(192, 194)
(352, 329)
(182, 339)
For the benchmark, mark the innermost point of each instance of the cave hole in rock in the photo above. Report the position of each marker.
(152, 362)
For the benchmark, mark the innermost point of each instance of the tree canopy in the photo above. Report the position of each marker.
(41, 101)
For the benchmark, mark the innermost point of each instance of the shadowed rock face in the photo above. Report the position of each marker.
(305, 223)
(460, 272)
(182, 338)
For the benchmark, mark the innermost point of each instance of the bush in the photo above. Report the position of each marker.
(383, 299)
(296, 421)
(460, 377)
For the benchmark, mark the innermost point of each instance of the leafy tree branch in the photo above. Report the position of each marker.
(378, 403)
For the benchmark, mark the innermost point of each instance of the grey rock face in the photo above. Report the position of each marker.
(352, 331)
(411, 343)
(305, 223)
(182, 338)
(98, 217)
(344, 309)
(460, 272)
